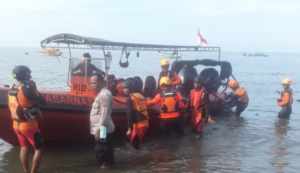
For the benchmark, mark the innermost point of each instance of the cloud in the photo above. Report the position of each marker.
(27, 22)
(198, 8)
(234, 7)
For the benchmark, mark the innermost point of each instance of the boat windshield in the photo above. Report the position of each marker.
(80, 71)
(85, 66)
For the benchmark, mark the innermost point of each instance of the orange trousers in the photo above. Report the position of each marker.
(198, 119)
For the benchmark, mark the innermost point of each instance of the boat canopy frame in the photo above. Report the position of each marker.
(65, 40)
(72, 41)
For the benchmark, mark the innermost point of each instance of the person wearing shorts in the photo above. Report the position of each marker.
(23, 102)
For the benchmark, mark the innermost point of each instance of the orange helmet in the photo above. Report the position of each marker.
(165, 81)
(233, 83)
(164, 62)
(287, 81)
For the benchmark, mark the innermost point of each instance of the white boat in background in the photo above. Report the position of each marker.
(254, 54)
(174, 55)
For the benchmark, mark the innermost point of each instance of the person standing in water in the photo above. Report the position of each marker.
(101, 116)
(137, 114)
(171, 102)
(23, 102)
(286, 99)
(239, 96)
(174, 79)
(199, 101)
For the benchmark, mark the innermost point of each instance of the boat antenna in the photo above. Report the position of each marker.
(69, 51)
(233, 76)
(58, 59)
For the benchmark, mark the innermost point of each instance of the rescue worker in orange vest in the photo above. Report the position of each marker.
(137, 114)
(23, 102)
(175, 80)
(115, 86)
(170, 102)
(286, 99)
(90, 68)
(199, 101)
(239, 96)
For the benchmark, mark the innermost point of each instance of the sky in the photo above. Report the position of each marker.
(234, 25)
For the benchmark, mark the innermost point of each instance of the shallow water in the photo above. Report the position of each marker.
(254, 142)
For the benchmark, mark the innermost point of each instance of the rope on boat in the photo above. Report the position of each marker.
(118, 101)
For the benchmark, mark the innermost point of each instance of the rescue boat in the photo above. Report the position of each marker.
(66, 115)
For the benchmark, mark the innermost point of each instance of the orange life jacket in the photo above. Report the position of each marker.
(119, 84)
(18, 112)
(290, 101)
(170, 103)
(175, 80)
(119, 89)
(199, 102)
(139, 103)
(243, 96)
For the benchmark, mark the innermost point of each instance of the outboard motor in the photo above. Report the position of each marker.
(150, 87)
(138, 84)
(226, 70)
(211, 80)
(130, 78)
(187, 75)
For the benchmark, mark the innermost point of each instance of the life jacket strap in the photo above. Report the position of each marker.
(171, 110)
(13, 113)
(18, 121)
(143, 110)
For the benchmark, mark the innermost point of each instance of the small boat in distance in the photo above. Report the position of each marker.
(254, 54)
(49, 52)
(174, 55)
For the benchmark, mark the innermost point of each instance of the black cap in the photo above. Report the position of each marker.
(87, 55)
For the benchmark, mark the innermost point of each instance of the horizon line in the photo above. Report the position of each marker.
(183, 51)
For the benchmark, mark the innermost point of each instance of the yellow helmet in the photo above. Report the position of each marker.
(165, 80)
(287, 81)
(164, 62)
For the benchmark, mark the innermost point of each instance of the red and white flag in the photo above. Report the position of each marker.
(201, 40)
